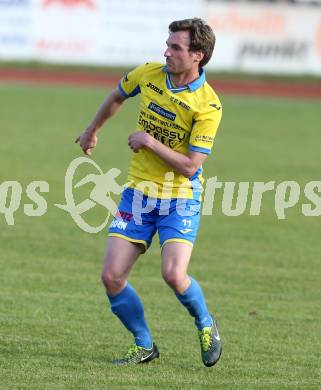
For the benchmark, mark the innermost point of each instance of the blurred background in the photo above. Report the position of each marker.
(271, 37)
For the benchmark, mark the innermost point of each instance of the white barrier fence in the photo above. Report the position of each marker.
(251, 37)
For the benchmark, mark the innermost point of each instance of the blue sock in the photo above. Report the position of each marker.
(129, 309)
(194, 301)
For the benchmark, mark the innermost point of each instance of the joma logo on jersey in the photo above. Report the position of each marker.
(215, 106)
(154, 88)
(161, 111)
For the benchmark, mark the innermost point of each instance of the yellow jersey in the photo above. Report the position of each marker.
(182, 118)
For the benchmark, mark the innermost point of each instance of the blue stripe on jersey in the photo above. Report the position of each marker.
(193, 86)
(171, 87)
(168, 82)
(198, 149)
(135, 92)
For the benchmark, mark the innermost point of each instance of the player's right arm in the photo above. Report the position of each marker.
(128, 86)
(88, 139)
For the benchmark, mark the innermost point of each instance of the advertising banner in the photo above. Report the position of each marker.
(16, 29)
(268, 37)
(67, 30)
(280, 38)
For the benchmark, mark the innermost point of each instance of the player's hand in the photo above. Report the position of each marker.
(87, 142)
(138, 140)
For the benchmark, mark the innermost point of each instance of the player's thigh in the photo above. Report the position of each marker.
(180, 223)
(130, 222)
(175, 259)
(120, 256)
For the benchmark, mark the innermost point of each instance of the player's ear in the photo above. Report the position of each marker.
(198, 56)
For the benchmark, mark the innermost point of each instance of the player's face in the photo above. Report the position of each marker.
(178, 57)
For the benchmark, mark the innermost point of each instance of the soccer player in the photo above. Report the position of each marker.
(178, 117)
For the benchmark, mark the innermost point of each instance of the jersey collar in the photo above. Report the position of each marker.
(193, 86)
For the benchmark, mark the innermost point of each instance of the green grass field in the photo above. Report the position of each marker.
(261, 275)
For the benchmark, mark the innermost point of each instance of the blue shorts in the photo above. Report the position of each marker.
(138, 217)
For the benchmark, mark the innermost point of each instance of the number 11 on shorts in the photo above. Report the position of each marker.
(187, 222)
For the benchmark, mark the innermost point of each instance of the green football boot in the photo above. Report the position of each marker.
(136, 355)
(211, 346)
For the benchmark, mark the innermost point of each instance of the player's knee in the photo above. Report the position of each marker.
(111, 280)
(173, 278)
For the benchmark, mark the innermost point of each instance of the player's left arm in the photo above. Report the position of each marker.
(186, 165)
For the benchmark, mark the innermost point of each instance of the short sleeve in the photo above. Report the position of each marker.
(129, 84)
(205, 125)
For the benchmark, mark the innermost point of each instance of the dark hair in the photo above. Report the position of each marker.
(201, 35)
